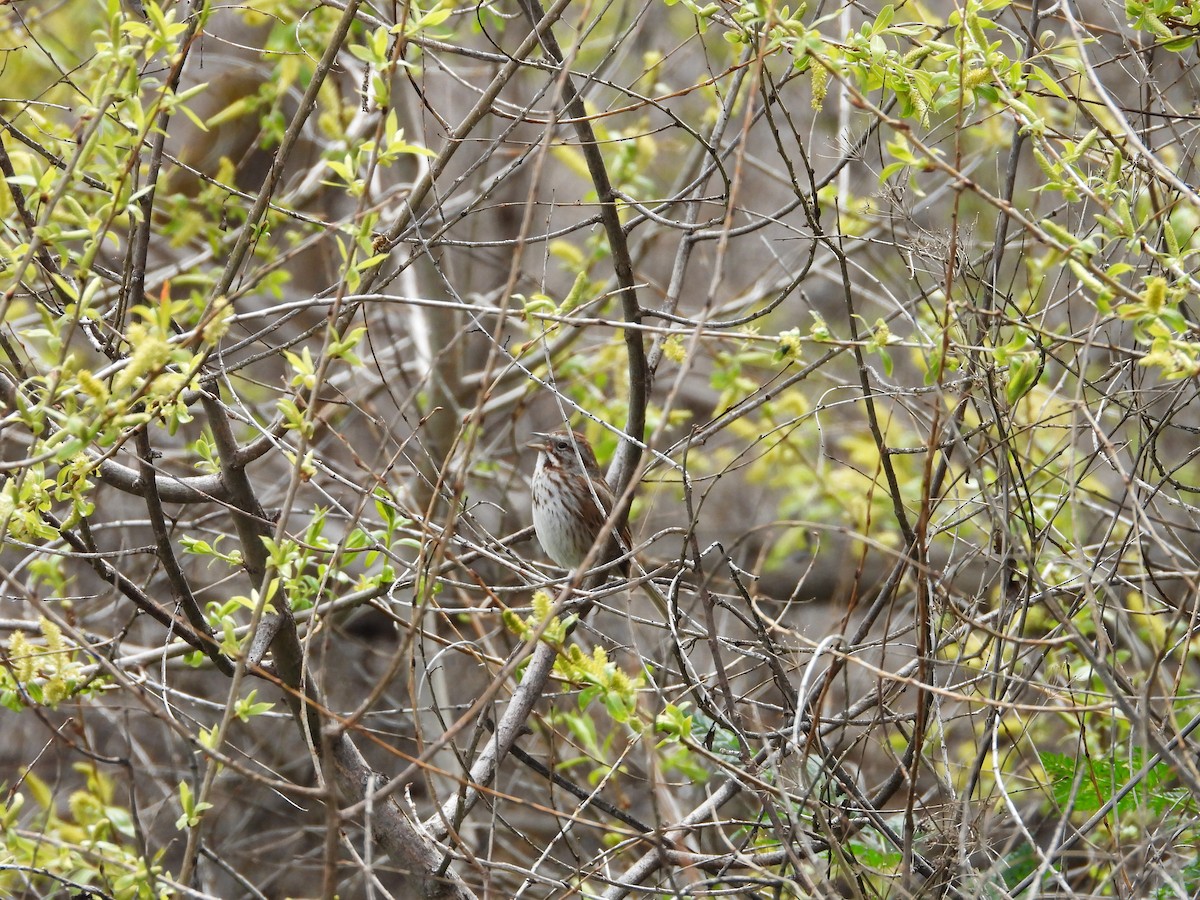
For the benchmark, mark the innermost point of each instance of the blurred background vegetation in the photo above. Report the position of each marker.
(883, 316)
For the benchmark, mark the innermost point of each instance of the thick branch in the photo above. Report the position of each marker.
(180, 588)
(629, 453)
(395, 833)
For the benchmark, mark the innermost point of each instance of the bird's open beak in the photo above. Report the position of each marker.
(542, 442)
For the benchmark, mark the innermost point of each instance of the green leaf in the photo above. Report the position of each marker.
(1023, 372)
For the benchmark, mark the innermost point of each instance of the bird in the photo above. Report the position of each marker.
(572, 501)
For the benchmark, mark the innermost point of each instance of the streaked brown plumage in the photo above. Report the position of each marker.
(571, 501)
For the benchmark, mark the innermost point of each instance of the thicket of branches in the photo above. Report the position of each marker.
(883, 317)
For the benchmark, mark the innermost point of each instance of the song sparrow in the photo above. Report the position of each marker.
(571, 501)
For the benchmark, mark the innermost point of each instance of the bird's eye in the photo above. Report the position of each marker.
(561, 445)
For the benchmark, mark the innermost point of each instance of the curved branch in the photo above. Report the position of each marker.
(391, 828)
(629, 453)
(182, 591)
(194, 489)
